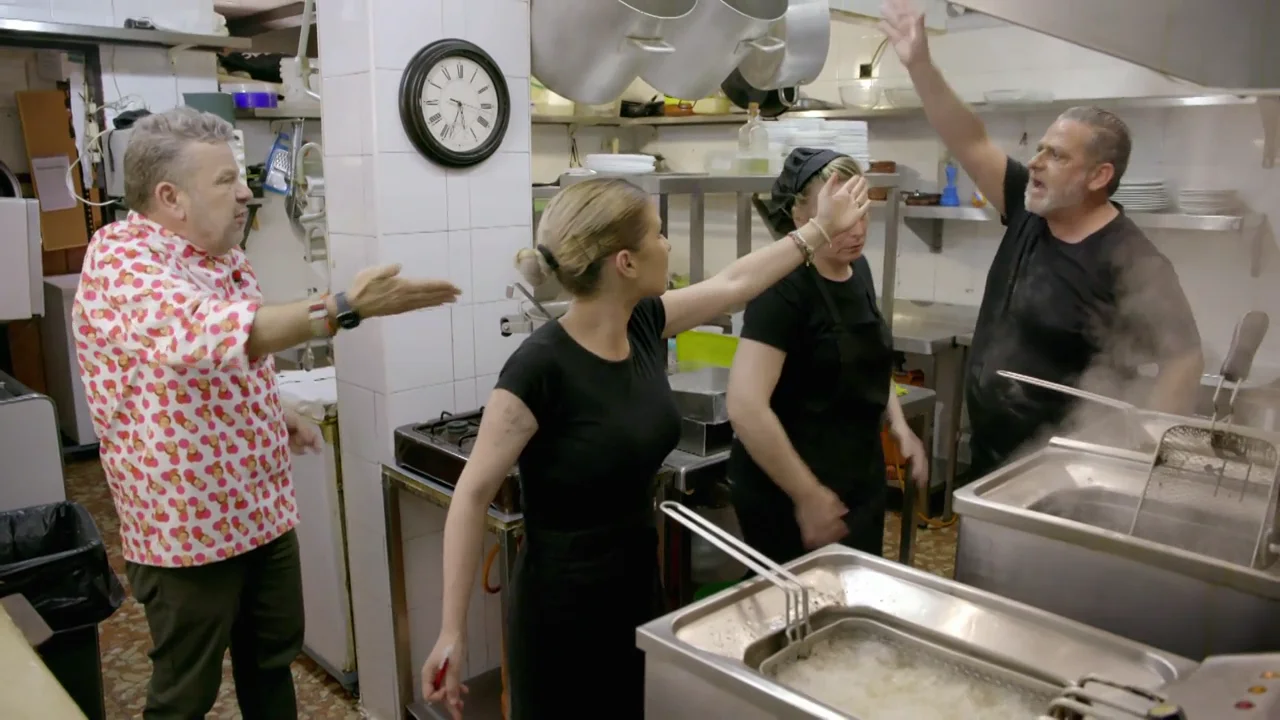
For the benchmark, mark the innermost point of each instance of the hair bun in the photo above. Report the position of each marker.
(532, 266)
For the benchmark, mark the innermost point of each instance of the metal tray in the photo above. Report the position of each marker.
(971, 662)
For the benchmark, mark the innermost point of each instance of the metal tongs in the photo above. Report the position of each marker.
(1079, 701)
(796, 592)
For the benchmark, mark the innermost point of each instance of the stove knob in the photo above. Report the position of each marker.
(1166, 712)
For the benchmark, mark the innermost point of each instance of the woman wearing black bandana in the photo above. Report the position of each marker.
(810, 386)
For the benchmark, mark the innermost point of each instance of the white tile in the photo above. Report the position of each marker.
(348, 20)
(500, 191)
(358, 354)
(418, 349)
(464, 395)
(501, 27)
(419, 518)
(411, 194)
(464, 339)
(409, 406)
(454, 18)
(390, 135)
(493, 252)
(347, 113)
(517, 139)
(492, 350)
(420, 255)
(348, 255)
(357, 421)
(460, 263)
(484, 387)
(402, 28)
(458, 187)
(349, 193)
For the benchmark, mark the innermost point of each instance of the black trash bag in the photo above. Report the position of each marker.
(55, 557)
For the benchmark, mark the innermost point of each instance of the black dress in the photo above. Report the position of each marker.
(587, 572)
(1056, 310)
(830, 398)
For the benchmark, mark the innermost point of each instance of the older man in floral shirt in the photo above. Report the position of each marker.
(175, 347)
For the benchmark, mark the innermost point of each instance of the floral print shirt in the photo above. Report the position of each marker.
(192, 433)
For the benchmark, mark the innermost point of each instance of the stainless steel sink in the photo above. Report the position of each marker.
(705, 660)
(1051, 530)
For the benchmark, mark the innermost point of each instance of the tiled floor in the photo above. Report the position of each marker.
(125, 639)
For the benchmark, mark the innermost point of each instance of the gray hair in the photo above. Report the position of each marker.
(155, 151)
(1111, 142)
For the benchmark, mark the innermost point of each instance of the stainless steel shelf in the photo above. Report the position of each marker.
(706, 184)
(51, 32)
(286, 111)
(875, 113)
(926, 221)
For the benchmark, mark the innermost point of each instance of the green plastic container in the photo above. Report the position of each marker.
(710, 589)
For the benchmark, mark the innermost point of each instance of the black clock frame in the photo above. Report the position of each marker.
(413, 117)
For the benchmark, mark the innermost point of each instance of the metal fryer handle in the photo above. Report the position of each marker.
(796, 593)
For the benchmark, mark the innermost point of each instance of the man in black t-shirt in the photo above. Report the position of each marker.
(1076, 293)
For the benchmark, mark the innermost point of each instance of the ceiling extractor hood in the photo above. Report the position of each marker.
(1227, 44)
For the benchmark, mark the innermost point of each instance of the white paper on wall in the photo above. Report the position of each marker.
(53, 183)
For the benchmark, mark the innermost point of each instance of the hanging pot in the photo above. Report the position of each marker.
(772, 102)
(711, 42)
(589, 52)
(806, 30)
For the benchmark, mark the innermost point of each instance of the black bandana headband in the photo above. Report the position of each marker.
(800, 167)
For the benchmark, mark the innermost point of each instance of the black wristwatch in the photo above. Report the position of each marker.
(348, 318)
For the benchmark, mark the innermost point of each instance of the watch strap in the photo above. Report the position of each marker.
(347, 316)
(318, 316)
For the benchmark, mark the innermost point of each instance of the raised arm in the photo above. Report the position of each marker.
(960, 129)
(505, 429)
(840, 206)
(134, 298)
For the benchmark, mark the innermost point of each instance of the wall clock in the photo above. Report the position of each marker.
(454, 104)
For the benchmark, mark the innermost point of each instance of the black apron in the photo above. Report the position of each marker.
(866, 368)
(577, 599)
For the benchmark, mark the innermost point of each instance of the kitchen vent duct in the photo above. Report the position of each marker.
(1227, 44)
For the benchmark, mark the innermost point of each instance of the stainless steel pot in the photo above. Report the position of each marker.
(711, 42)
(589, 52)
(806, 29)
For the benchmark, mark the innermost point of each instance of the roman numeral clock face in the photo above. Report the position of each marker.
(454, 103)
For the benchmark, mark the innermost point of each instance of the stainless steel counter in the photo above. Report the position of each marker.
(932, 331)
(1051, 530)
(703, 661)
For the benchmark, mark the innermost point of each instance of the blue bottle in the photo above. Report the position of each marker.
(950, 196)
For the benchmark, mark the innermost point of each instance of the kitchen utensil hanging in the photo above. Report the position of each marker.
(589, 52)
(806, 30)
(711, 42)
(772, 102)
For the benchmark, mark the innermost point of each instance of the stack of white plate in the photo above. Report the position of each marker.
(851, 139)
(1142, 195)
(1201, 201)
(620, 164)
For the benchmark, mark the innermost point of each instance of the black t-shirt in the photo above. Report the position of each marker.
(1056, 310)
(838, 438)
(604, 427)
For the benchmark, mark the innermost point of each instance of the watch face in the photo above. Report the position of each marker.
(459, 104)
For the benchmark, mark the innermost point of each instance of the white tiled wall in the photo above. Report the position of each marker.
(193, 16)
(1203, 147)
(387, 204)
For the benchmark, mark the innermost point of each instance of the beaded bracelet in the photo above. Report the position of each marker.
(803, 246)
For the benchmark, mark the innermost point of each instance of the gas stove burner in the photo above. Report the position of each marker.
(439, 450)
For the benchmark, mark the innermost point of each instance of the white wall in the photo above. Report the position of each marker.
(1201, 147)
(387, 203)
(195, 16)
